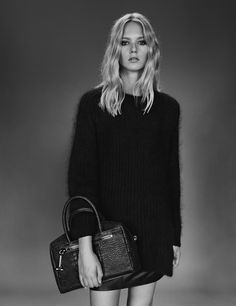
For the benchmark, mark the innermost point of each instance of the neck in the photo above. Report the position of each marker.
(129, 79)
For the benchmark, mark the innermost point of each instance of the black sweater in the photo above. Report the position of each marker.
(128, 166)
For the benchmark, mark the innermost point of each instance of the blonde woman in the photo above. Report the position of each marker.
(125, 159)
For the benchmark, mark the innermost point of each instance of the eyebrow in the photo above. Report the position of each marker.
(129, 38)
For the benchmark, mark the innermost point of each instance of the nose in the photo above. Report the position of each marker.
(133, 47)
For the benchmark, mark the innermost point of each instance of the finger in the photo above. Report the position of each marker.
(84, 281)
(97, 278)
(91, 282)
(99, 275)
(80, 275)
(81, 280)
(174, 261)
(86, 284)
(178, 258)
(177, 261)
(94, 281)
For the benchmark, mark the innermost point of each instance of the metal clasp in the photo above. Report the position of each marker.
(107, 236)
(135, 237)
(61, 253)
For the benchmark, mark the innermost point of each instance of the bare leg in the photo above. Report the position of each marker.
(104, 298)
(141, 295)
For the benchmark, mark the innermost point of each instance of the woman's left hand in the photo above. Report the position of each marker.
(177, 254)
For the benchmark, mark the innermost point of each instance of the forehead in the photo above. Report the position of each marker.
(133, 28)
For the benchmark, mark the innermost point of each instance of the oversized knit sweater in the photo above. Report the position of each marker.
(128, 166)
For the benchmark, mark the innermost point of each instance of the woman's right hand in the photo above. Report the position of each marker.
(90, 270)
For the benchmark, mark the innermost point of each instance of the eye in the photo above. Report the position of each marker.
(123, 42)
(142, 42)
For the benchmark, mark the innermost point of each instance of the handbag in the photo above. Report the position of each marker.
(114, 245)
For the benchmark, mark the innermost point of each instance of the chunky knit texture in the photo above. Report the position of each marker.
(128, 166)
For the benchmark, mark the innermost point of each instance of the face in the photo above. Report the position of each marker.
(133, 45)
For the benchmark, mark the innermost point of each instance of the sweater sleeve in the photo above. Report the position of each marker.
(175, 183)
(83, 172)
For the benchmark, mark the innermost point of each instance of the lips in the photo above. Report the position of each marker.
(133, 59)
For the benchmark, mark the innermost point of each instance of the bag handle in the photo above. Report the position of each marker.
(65, 209)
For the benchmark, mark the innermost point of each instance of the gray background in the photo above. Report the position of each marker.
(50, 54)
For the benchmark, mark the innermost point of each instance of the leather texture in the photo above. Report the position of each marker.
(114, 246)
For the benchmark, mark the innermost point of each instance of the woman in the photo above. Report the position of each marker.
(125, 159)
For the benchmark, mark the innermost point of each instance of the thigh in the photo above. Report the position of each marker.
(104, 298)
(141, 295)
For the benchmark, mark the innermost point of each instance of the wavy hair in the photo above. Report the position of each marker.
(112, 85)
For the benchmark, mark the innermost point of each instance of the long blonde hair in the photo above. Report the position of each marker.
(112, 85)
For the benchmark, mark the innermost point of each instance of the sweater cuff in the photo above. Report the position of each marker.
(83, 224)
(177, 239)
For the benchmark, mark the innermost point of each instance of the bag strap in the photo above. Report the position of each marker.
(65, 210)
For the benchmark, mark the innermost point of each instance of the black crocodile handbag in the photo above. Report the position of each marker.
(114, 245)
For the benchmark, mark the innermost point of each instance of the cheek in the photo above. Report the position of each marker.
(144, 54)
(123, 55)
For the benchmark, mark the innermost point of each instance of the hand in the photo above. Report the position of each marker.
(177, 254)
(90, 270)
